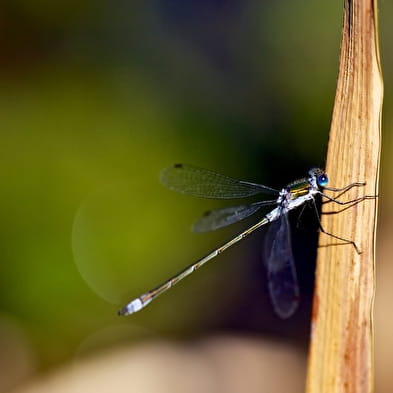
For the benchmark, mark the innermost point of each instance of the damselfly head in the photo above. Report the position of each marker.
(320, 176)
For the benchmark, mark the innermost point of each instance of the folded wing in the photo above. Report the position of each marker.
(204, 183)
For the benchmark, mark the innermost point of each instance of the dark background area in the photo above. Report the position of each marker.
(96, 97)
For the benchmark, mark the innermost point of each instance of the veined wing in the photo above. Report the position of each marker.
(281, 272)
(204, 183)
(215, 219)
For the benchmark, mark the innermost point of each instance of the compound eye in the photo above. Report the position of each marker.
(322, 180)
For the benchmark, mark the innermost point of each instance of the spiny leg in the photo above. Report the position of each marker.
(347, 241)
(346, 207)
(346, 188)
(354, 201)
(300, 215)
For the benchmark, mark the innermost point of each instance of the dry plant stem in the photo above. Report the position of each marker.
(341, 351)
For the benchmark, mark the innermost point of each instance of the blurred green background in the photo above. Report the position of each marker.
(96, 97)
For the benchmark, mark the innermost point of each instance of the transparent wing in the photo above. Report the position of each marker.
(282, 279)
(215, 219)
(208, 184)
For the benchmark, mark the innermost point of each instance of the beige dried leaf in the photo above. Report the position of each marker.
(341, 351)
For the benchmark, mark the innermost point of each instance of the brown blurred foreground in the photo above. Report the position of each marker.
(221, 364)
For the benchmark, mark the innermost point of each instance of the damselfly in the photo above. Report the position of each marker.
(278, 255)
